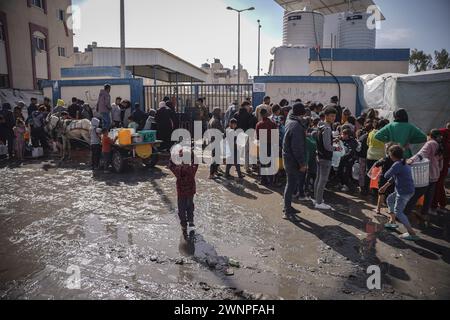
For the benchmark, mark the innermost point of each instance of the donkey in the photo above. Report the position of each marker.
(68, 130)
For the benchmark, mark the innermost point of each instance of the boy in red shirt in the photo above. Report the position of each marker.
(107, 143)
(186, 189)
(268, 125)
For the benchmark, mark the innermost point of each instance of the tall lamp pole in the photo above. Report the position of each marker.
(259, 46)
(122, 39)
(239, 42)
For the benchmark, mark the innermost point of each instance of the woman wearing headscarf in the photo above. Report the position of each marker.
(173, 114)
(164, 125)
(126, 113)
(401, 132)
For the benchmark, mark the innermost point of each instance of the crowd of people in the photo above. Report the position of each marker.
(323, 146)
(319, 147)
(23, 128)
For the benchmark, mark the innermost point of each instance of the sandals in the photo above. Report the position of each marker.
(409, 237)
(392, 226)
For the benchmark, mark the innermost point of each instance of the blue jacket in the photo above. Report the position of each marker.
(401, 173)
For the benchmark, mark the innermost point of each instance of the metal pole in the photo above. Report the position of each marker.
(239, 52)
(122, 38)
(259, 47)
(155, 102)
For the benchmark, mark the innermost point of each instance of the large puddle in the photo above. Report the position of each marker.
(69, 234)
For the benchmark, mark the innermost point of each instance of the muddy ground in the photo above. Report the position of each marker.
(122, 233)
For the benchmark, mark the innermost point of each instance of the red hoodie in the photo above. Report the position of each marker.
(185, 175)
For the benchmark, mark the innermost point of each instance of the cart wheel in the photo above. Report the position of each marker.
(118, 162)
(151, 163)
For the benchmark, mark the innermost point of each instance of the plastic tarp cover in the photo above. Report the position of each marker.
(14, 96)
(425, 96)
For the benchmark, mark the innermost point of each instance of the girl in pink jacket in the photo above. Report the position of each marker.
(433, 151)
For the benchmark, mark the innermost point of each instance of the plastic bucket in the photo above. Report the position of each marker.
(125, 137)
(421, 173)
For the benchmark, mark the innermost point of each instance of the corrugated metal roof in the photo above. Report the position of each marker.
(327, 6)
(143, 60)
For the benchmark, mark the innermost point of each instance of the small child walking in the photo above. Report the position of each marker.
(132, 124)
(107, 143)
(404, 191)
(19, 142)
(232, 160)
(186, 189)
(385, 164)
(96, 147)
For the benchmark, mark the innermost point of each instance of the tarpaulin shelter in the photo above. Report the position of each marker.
(425, 96)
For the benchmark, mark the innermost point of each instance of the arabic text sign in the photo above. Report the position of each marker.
(319, 92)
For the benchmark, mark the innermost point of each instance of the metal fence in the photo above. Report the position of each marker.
(185, 96)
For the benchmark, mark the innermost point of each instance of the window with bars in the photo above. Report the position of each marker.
(38, 3)
(4, 81)
(61, 15)
(40, 43)
(2, 33)
(61, 51)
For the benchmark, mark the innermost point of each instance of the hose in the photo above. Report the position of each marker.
(335, 78)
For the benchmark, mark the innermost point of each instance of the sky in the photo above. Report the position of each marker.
(201, 30)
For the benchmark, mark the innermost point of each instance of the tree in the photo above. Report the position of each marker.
(420, 61)
(441, 60)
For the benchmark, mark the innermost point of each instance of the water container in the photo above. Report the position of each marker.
(355, 171)
(3, 150)
(137, 138)
(37, 152)
(337, 155)
(148, 135)
(303, 28)
(114, 133)
(421, 173)
(354, 33)
(125, 137)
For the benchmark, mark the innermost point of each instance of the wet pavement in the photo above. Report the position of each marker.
(121, 235)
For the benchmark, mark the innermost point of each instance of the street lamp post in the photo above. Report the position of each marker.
(239, 42)
(259, 46)
(122, 39)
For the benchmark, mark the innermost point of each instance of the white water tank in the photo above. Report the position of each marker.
(303, 28)
(354, 33)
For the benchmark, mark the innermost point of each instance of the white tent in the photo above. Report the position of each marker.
(425, 95)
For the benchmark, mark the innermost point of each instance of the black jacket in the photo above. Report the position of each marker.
(243, 119)
(294, 143)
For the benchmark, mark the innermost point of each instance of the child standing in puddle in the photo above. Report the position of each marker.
(186, 188)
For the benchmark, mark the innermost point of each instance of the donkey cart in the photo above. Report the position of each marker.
(145, 153)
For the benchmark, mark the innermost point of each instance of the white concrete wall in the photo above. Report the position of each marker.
(319, 92)
(41, 65)
(48, 92)
(291, 61)
(90, 93)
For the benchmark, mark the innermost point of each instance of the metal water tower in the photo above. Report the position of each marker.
(354, 33)
(303, 28)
